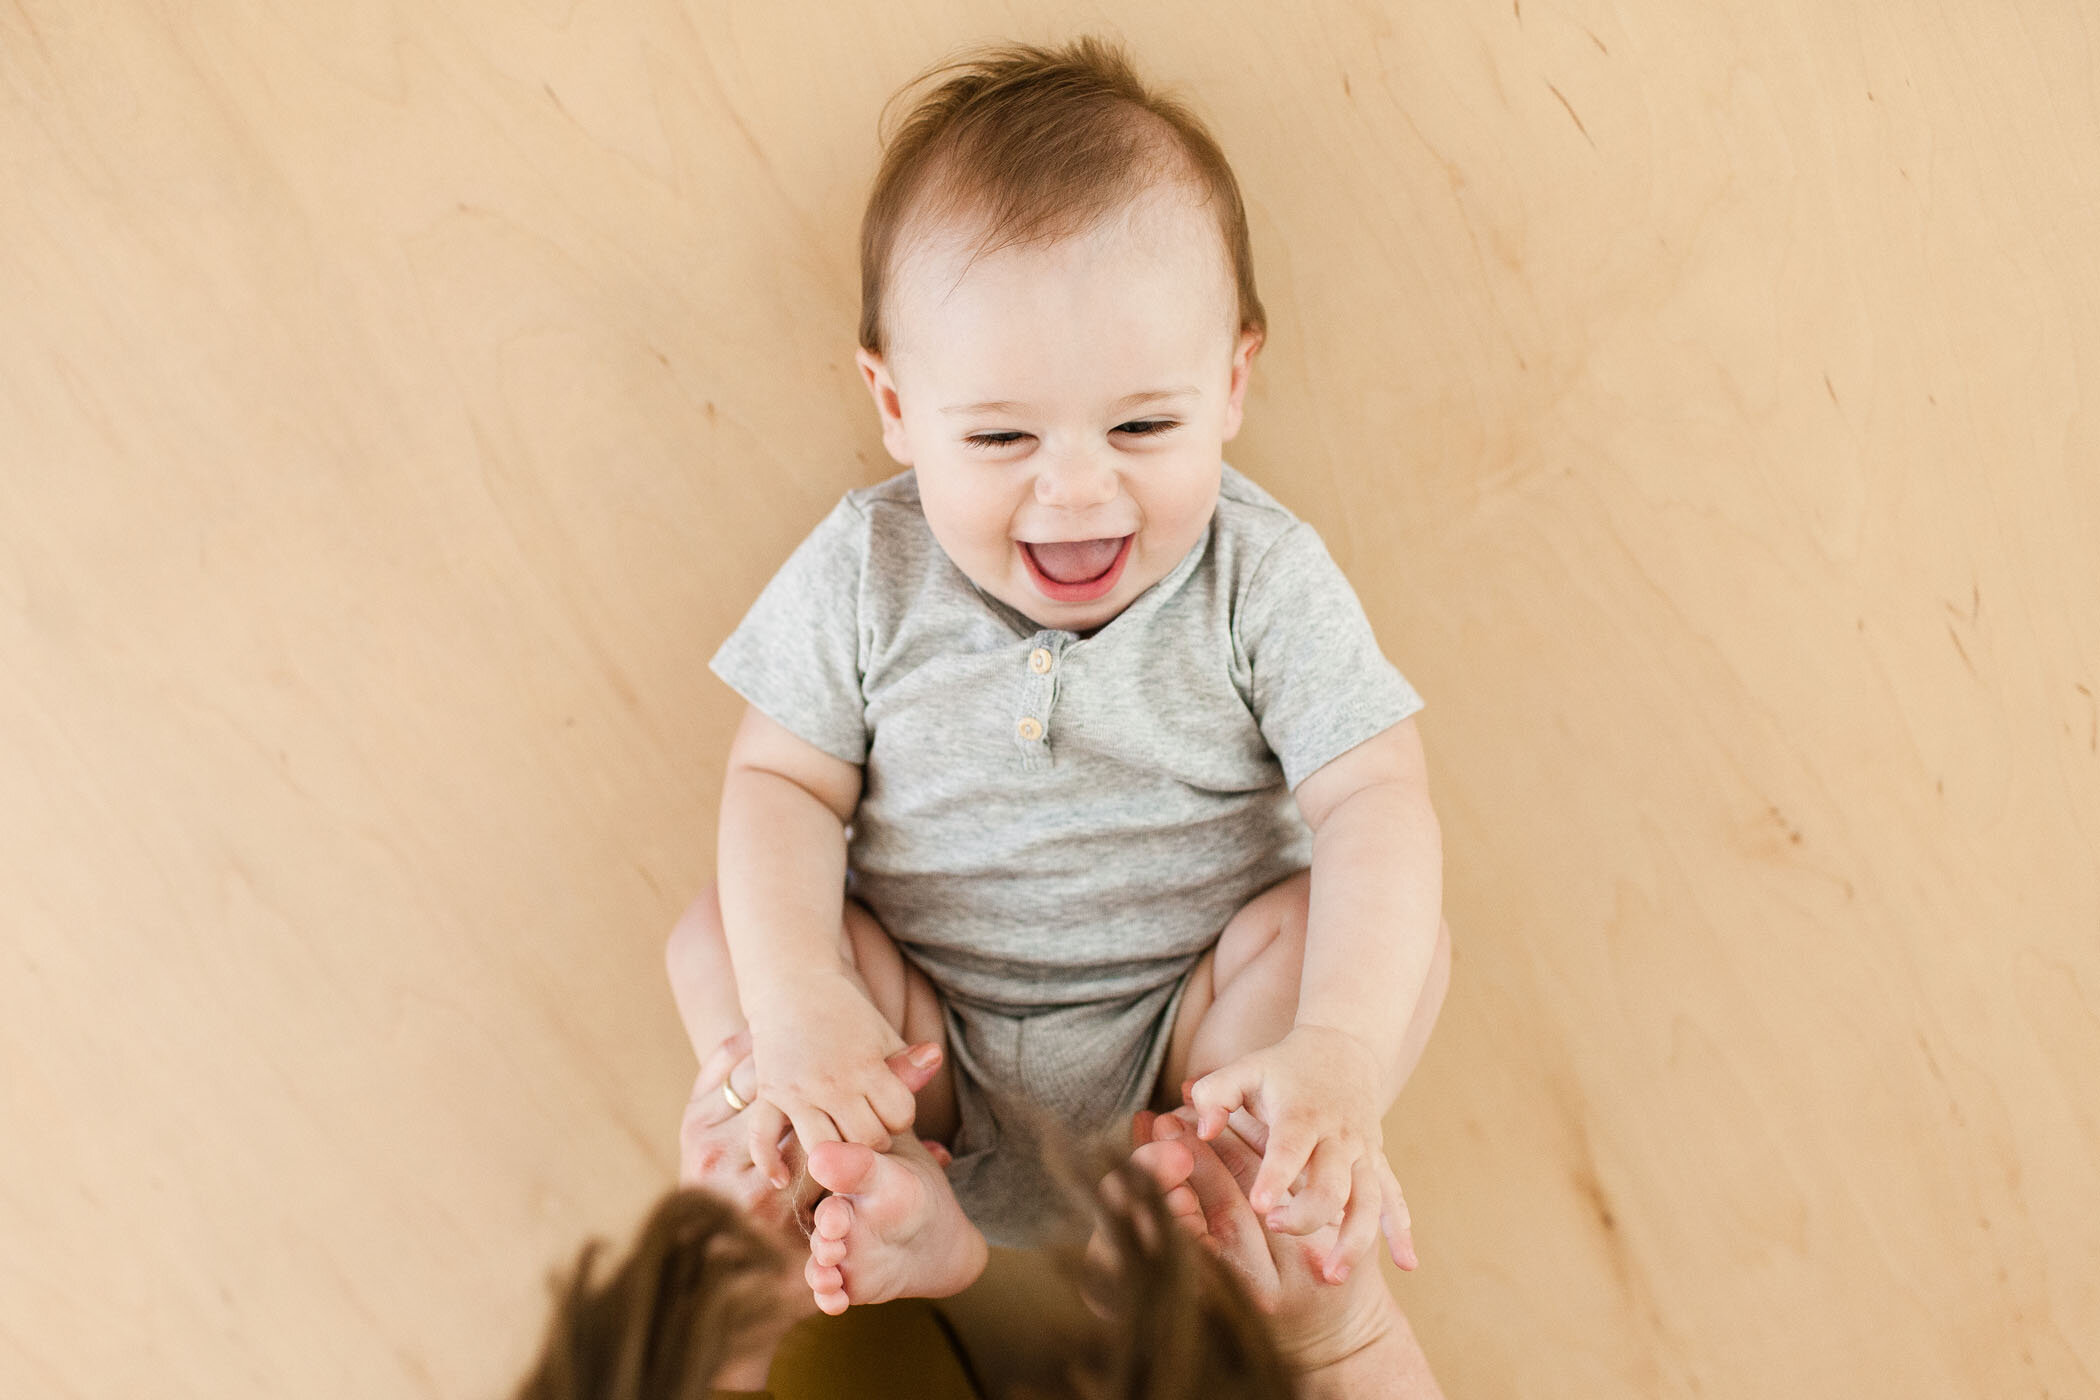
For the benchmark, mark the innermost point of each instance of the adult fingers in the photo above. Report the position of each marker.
(1240, 1155)
(1167, 1162)
(1394, 1219)
(707, 1107)
(1227, 1218)
(1224, 1207)
(1290, 1147)
(1359, 1222)
(1218, 1093)
(698, 1154)
(715, 1068)
(709, 1104)
(764, 1126)
(1326, 1191)
(914, 1066)
(742, 1079)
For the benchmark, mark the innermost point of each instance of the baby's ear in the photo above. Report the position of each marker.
(875, 373)
(1243, 353)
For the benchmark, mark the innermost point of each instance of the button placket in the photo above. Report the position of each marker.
(1037, 696)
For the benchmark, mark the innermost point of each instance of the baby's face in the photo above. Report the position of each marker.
(1065, 406)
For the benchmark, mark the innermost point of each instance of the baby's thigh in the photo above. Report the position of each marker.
(908, 1002)
(1243, 994)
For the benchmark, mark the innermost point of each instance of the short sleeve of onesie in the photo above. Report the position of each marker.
(1319, 685)
(797, 654)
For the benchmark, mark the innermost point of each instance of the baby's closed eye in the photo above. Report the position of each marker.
(1150, 427)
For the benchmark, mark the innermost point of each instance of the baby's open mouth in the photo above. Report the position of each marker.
(1077, 571)
(1075, 561)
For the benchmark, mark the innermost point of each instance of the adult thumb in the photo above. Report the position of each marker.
(915, 1065)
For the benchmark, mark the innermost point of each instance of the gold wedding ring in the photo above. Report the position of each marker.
(736, 1105)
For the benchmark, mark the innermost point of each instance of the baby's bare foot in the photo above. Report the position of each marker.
(890, 1229)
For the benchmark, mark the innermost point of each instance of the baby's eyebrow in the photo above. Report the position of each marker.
(1128, 400)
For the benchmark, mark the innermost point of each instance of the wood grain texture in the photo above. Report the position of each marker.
(398, 402)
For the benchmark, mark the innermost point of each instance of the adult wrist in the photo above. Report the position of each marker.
(1335, 1340)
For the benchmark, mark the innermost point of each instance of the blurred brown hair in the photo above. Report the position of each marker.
(1178, 1325)
(1037, 144)
(698, 1278)
(696, 1281)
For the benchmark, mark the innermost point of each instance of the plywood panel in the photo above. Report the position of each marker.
(397, 403)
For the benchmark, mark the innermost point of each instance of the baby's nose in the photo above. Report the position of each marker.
(1076, 481)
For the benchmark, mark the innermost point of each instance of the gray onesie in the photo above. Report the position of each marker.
(1054, 828)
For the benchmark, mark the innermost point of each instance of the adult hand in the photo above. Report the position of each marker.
(1315, 1094)
(1206, 1186)
(730, 1064)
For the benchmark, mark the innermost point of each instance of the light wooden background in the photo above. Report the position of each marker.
(398, 401)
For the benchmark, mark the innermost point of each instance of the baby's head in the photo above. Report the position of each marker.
(1058, 317)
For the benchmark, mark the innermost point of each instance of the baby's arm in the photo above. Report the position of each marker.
(1377, 889)
(1377, 894)
(817, 1042)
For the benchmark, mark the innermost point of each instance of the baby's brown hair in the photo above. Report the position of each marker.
(1037, 144)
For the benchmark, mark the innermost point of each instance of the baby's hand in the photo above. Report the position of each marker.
(821, 1071)
(1316, 1093)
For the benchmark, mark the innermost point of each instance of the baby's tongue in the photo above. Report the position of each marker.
(1075, 561)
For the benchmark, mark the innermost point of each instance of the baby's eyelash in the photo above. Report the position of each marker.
(1149, 427)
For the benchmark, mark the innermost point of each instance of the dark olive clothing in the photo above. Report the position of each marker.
(902, 1349)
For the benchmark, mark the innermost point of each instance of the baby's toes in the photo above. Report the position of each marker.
(827, 1285)
(827, 1251)
(834, 1219)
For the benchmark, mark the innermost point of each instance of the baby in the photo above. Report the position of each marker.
(1069, 752)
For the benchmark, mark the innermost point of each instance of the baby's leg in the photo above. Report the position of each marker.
(1243, 995)
(892, 1227)
(713, 1148)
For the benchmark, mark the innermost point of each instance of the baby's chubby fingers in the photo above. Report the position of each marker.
(1393, 1217)
(890, 1097)
(1359, 1222)
(1240, 1150)
(882, 1103)
(855, 1121)
(764, 1128)
(1326, 1191)
(1217, 1094)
